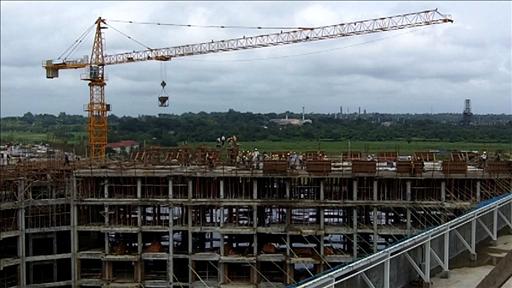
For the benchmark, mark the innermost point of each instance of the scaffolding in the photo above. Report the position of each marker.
(186, 223)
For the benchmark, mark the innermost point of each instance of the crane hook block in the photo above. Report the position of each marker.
(163, 101)
(163, 84)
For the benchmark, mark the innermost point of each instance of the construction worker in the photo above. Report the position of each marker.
(483, 160)
(255, 157)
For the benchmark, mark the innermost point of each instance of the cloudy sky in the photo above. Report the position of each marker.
(419, 70)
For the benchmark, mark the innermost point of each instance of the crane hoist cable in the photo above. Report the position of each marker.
(212, 26)
(163, 98)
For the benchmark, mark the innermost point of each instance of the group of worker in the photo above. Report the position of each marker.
(221, 141)
(255, 158)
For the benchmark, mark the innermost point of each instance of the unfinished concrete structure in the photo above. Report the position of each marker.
(163, 224)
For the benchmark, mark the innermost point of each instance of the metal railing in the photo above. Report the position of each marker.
(382, 259)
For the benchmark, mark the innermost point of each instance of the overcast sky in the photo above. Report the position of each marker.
(419, 70)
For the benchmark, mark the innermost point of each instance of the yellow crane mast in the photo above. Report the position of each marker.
(98, 108)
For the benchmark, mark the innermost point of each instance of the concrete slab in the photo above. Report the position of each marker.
(463, 277)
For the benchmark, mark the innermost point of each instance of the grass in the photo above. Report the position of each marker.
(329, 147)
(24, 137)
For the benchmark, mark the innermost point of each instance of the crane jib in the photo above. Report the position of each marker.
(283, 38)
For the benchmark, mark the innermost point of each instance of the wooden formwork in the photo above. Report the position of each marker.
(318, 167)
(361, 166)
(409, 167)
(455, 167)
(499, 167)
(275, 166)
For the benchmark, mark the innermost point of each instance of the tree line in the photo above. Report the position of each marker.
(170, 130)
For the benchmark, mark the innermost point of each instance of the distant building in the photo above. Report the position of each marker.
(125, 145)
(295, 122)
(467, 115)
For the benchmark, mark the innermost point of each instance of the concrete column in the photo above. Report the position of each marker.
(189, 211)
(386, 273)
(322, 193)
(408, 190)
(221, 273)
(321, 211)
(105, 188)
(427, 261)
(221, 184)
(139, 264)
(189, 268)
(288, 216)
(354, 225)
(170, 189)
(254, 189)
(255, 218)
(375, 234)
(139, 226)
(139, 188)
(409, 224)
(105, 213)
(324, 260)
(74, 234)
(106, 223)
(21, 238)
(443, 191)
(494, 227)
(478, 191)
(446, 255)
(473, 241)
(54, 240)
(287, 189)
(170, 270)
(375, 190)
(221, 242)
(354, 218)
(221, 214)
(289, 267)
(354, 192)
(255, 245)
(190, 190)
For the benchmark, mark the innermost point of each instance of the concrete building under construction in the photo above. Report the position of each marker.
(162, 221)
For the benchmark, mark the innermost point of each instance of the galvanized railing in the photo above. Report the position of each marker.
(381, 261)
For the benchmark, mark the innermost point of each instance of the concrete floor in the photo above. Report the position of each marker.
(466, 277)
(463, 277)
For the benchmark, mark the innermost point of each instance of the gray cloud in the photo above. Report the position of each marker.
(418, 70)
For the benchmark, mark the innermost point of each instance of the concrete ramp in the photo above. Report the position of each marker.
(499, 275)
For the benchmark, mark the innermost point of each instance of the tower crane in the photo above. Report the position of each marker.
(98, 108)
